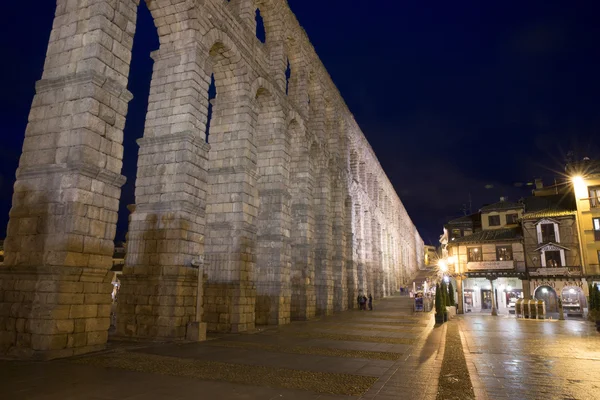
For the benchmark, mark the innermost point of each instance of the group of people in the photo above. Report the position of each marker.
(363, 301)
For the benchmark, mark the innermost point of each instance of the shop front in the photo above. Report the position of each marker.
(571, 292)
(480, 296)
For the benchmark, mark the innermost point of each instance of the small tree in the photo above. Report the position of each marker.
(439, 306)
(451, 294)
(592, 302)
(444, 289)
(597, 297)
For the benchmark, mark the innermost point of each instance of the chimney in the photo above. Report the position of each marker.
(539, 184)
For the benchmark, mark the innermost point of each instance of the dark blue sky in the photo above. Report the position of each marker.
(452, 96)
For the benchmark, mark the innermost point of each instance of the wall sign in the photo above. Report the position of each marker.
(491, 265)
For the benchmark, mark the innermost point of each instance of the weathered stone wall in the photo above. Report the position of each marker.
(286, 204)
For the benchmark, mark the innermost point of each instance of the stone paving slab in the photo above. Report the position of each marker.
(519, 359)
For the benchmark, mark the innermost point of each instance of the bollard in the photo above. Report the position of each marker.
(519, 308)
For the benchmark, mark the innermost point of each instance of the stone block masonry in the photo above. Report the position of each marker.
(284, 205)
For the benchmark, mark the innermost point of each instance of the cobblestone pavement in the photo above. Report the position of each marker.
(379, 354)
(528, 359)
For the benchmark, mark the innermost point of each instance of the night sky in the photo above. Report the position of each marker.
(457, 99)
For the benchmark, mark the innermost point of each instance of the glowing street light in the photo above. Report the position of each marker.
(579, 186)
(443, 265)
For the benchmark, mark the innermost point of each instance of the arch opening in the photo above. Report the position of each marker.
(288, 76)
(212, 95)
(261, 33)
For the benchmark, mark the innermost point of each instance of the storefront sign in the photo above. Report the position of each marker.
(556, 284)
(491, 265)
(556, 271)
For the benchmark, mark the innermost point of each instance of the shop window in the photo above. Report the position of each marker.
(596, 229)
(504, 253)
(548, 233)
(494, 220)
(474, 254)
(512, 219)
(553, 259)
(594, 196)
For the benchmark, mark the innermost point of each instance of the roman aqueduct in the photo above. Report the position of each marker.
(285, 213)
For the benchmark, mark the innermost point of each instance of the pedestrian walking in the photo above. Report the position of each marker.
(370, 302)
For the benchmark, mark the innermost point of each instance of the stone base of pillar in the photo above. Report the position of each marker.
(303, 302)
(53, 312)
(229, 307)
(324, 299)
(157, 307)
(272, 305)
(340, 299)
(196, 331)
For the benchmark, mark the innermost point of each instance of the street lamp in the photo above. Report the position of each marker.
(443, 266)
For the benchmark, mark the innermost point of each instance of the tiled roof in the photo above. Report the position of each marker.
(548, 213)
(502, 205)
(490, 235)
(556, 205)
(465, 220)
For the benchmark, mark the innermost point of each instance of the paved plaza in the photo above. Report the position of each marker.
(374, 354)
(532, 359)
(385, 354)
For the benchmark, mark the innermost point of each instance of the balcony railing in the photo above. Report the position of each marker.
(594, 202)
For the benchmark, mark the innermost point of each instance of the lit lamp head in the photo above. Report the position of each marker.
(443, 265)
(579, 186)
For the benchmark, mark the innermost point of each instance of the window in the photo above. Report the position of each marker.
(474, 254)
(456, 233)
(594, 196)
(494, 220)
(596, 229)
(553, 259)
(504, 253)
(511, 219)
(548, 234)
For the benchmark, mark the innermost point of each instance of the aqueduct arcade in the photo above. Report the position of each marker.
(285, 212)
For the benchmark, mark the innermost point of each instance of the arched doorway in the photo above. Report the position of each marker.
(547, 294)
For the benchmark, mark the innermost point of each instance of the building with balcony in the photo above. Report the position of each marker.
(488, 266)
(552, 251)
(585, 176)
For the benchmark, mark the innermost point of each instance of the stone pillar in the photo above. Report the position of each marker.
(302, 233)
(159, 285)
(55, 283)
(360, 250)
(377, 290)
(526, 288)
(368, 246)
(459, 291)
(494, 306)
(351, 255)
(340, 280)
(231, 211)
(323, 237)
(273, 254)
